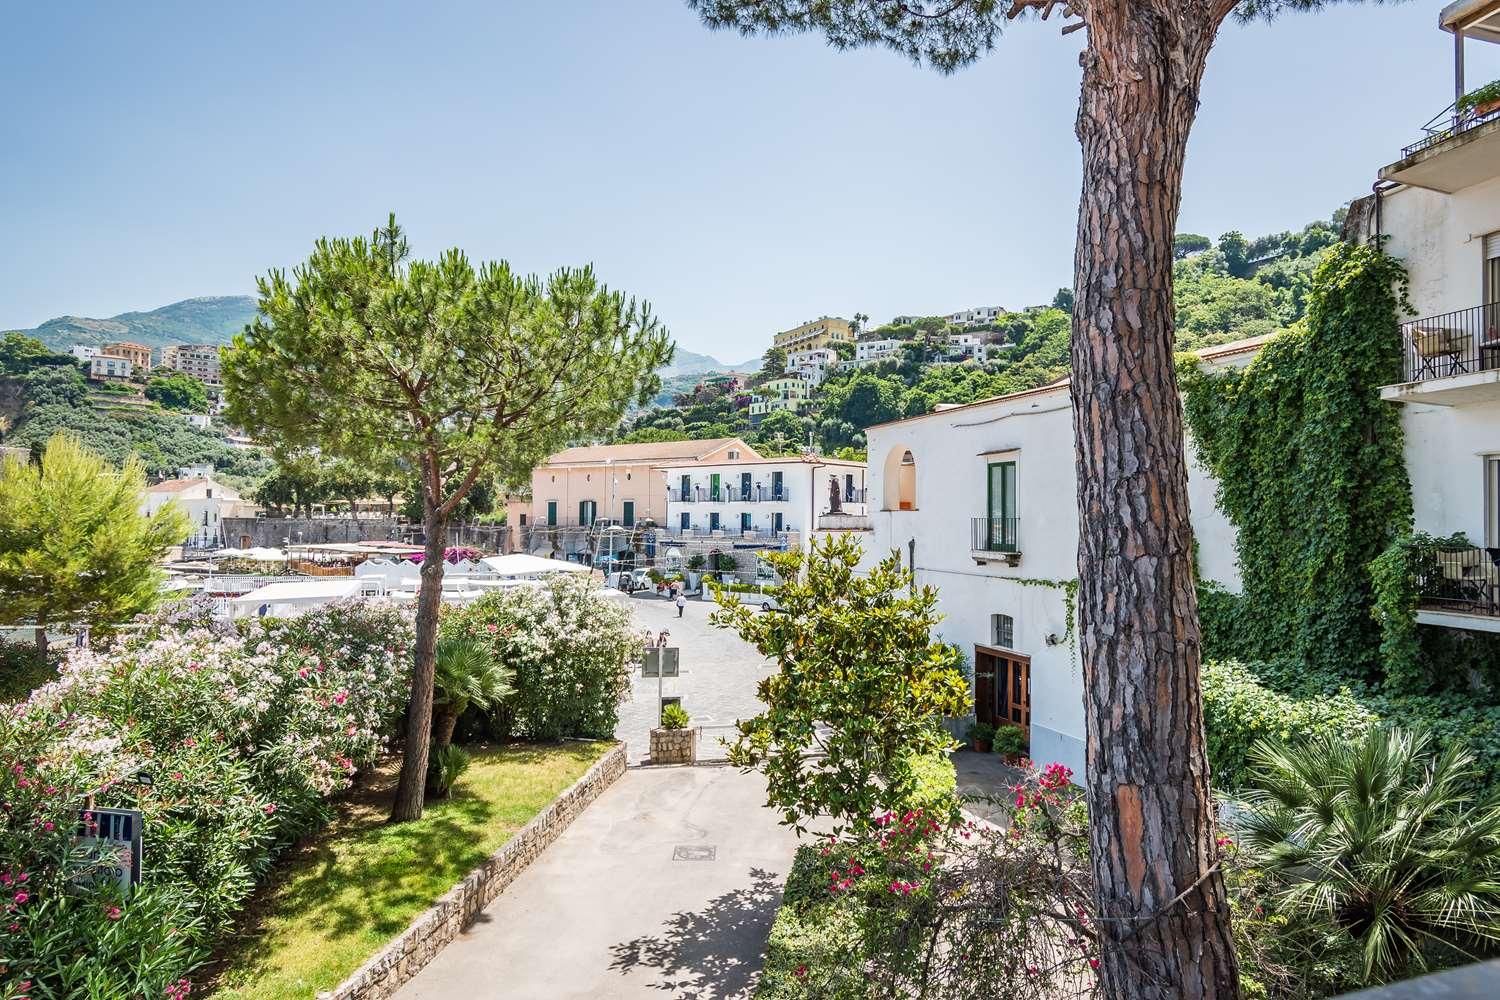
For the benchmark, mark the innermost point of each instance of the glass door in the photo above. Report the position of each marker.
(776, 482)
(744, 486)
(1000, 535)
(713, 487)
(744, 521)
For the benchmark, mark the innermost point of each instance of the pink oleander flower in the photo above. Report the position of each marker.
(112, 912)
(270, 807)
(22, 897)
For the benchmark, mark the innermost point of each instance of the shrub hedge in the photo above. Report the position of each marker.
(572, 651)
(229, 743)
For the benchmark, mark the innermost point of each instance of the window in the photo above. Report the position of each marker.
(628, 514)
(1492, 501)
(551, 513)
(523, 520)
(744, 522)
(778, 522)
(713, 521)
(900, 480)
(587, 511)
(733, 454)
(1003, 631)
(1491, 268)
(685, 522)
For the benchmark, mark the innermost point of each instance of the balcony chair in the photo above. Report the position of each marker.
(1433, 344)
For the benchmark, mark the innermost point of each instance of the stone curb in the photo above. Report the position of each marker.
(427, 935)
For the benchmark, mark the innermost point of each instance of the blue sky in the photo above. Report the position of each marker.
(152, 152)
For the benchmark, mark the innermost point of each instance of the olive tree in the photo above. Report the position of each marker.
(456, 371)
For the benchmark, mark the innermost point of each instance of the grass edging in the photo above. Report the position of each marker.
(431, 931)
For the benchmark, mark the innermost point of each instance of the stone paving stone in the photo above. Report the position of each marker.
(717, 686)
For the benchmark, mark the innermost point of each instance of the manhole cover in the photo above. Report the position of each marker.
(694, 852)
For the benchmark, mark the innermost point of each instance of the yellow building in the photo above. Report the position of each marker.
(822, 332)
(139, 355)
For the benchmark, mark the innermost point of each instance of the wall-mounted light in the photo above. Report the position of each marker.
(1052, 639)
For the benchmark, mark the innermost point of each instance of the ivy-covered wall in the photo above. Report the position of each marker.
(1310, 470)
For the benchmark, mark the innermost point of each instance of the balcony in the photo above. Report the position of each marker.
(996, 539)
(1460, 145)
(729, 494)
(1450, 359)
(1460, 588)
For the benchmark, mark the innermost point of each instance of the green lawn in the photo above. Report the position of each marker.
(338, 900)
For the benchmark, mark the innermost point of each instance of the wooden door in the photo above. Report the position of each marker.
(1002, 687)
(984, 688)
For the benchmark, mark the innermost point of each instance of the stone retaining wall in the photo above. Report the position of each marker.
(397, 962)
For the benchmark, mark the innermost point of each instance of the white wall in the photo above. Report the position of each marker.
(1445, 452)
(1440, 239)
(952, 449)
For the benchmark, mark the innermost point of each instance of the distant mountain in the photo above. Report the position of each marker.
(208, 320)
(688, 363)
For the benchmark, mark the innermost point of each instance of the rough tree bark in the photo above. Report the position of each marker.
(410, 786)
(1164, 918)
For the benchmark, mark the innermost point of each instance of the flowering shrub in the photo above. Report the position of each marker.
(571, 649)
(941, 906)
(229, 745)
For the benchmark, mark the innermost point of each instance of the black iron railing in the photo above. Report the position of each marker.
(1454, 343)
(997, 534)
(1446, 124)
(728, 494)
(1465, 580)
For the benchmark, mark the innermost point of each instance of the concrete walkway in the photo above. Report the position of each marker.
(665, 888)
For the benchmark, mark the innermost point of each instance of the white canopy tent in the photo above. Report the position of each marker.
(520, 565)
(282, 600)
(257, 554)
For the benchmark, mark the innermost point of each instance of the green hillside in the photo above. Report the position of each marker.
(207, 320)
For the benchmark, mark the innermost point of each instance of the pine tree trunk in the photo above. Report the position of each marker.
(1152, 827)
(408, 804)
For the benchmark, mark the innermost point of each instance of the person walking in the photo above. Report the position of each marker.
(681, 603)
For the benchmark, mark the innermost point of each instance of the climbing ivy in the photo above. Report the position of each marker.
(1070, 606)
(1309, 464)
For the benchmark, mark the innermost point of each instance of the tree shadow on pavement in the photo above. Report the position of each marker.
(713, 953)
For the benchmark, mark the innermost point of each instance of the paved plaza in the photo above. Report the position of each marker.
(720, 673)
(665, 888)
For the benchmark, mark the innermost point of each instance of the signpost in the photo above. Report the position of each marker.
(112, 837)
(661, 662)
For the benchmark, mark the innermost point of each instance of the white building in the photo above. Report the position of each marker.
(766, 499)
(198, 360)
(976, 316)
(812, 365)
(981, 500)
(205, 501)
(1439, 209)
(83, 353)
(966, 346)
(870, 351)
(104, 366)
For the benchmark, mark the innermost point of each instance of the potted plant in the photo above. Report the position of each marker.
(673, 742)
(1481, 102)
(979, 736)
(1010, 743)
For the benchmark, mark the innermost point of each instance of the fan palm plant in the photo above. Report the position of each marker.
(467, 673)
(1384, 840)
